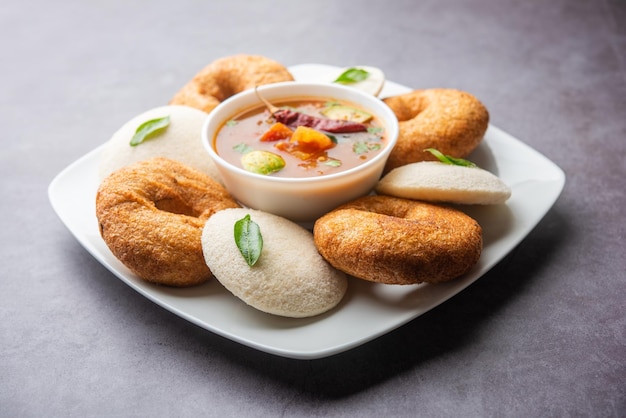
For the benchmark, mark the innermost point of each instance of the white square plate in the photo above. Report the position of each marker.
(368, 309)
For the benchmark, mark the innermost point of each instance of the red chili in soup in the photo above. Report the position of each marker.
(319, 137)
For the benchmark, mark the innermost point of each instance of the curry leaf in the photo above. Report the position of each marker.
(148, 129)
(446, 159)
(352, 75)
(248, 239)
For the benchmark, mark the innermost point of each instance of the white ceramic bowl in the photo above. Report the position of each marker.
(299, 199)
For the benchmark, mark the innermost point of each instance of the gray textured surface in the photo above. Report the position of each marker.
(543, 334)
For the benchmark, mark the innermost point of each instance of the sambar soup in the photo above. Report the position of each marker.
(303, 138)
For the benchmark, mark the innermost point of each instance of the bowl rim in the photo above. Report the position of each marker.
(392, 131)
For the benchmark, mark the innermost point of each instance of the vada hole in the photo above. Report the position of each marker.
(176, 206)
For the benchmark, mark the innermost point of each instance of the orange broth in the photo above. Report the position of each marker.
(243, 132)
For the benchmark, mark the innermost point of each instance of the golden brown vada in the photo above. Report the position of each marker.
(452, 121)
(151, 215)
(398, 241)
(228, 76)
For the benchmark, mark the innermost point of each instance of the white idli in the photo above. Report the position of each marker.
(438, 182)
(290, 278)
(372, 84)
(181, 141)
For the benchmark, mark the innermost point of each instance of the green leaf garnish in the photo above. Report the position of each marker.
(362, 147)
(446, 159)
(231, 122)
(149, 129)
(359, 148)
(248, 239)
(352, 75)
(331, 162)
(242, 148)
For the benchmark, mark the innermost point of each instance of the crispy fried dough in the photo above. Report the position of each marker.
(452, 121)
(151, 216)
(228, 76)
(398, 241)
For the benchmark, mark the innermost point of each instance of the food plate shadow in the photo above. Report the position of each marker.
(452, 327)
(277, 323)
(495, 220)
(211, 288)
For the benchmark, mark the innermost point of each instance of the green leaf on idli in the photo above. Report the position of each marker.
(248, 239)
(149, 129)
(352, 75)
(446, 159)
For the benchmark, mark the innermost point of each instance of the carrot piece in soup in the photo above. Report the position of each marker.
(310, 140)
(277, 132)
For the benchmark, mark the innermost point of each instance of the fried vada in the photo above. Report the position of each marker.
(151, 216)
(228, 76)
(391, 240)
(451, 121)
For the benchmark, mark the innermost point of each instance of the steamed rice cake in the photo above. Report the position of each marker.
(180, 141)
(290, 278)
